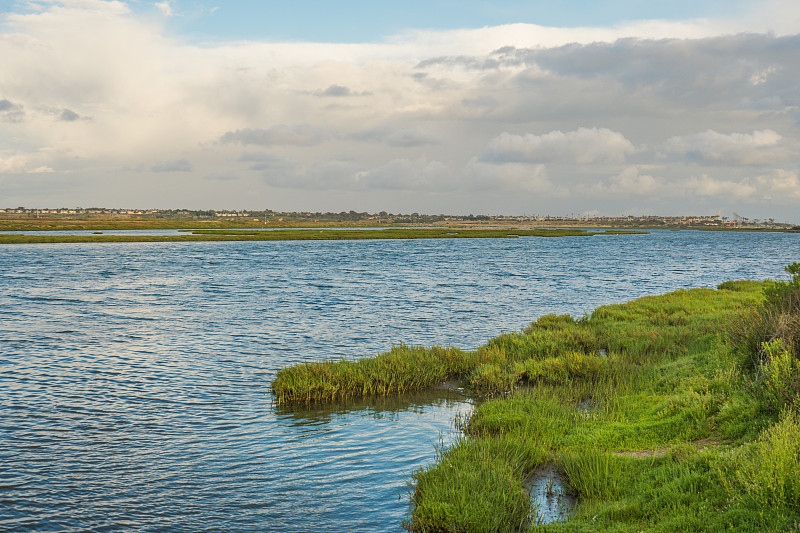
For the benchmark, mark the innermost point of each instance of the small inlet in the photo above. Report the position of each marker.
(551, 498)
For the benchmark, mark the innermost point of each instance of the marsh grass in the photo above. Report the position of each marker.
(401, 370)
(594, 474)
(295, 234)
(554, 349)
(475, 485)
(644, 407)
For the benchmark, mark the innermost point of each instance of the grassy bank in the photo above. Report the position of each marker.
(668, 413)
(308, 234)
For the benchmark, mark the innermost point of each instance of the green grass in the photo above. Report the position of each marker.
(645, 408)
(403, 369)
(309, 234)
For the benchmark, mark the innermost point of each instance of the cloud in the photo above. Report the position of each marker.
(583, 146)
(632, 181)
(511, 178)
(277, 171)
(68, 115)
(482, 101)
(11, 112)
(418, 136)
(302, 135)
(403, 138)
(337, 90)
(222, 176)
(179, 165)
(165, 8)
(22, 164)
(713, 148)
(342, 174)
(705, 185)
(407, 174)
(779, 186)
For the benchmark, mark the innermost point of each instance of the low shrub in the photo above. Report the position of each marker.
(777, 317)
(780, 375)
(768, 474)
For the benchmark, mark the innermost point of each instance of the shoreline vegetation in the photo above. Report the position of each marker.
(678, 412)
(297, 234)
(97, 219)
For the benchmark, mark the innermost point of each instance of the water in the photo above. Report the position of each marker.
(551, 499)
(134, 378)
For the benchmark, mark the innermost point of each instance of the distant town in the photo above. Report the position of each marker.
(269, 216)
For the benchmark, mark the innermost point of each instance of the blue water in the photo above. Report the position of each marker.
(134, 377)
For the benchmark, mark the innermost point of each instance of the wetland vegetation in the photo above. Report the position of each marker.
(676, 412)
(311, 234)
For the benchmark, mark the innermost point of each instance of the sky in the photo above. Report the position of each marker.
(545, 107)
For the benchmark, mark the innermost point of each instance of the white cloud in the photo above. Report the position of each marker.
(165, 8)
(780, 186)
(710, 147)
(406, 174)
(513, 177)
(301, 135)
(582, 146)
(705, 185)
(22, 164)
(632, 181)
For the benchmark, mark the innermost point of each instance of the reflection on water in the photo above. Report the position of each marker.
(551, 497)
(378, 408)
(364, 451)
(135, 377)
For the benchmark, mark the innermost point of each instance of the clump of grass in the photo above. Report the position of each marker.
(475, 485)
(593, 474)
(572, 366)
(402, 369)
(493, 379)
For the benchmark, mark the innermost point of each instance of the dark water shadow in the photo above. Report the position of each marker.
(381, 407)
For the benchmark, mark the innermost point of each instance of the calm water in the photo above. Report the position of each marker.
(134, 378)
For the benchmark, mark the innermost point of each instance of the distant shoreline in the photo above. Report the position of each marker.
(106, 223)
(308, 234)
